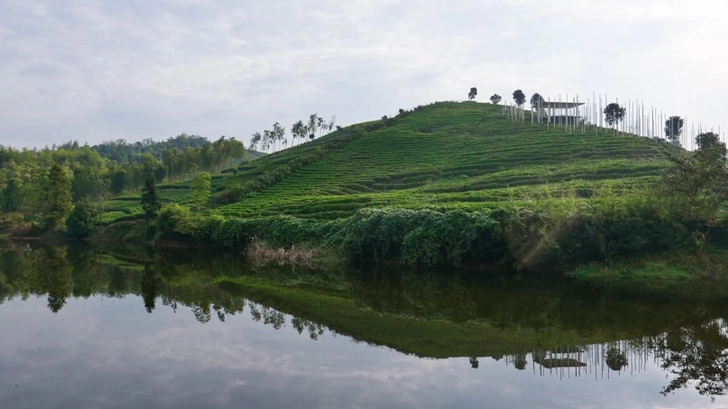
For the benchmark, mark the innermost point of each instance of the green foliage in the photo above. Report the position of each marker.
(150, 198)
(673, 129)
(614, 113)
(171, 219)
(519, 97)
(425, 237)
(80, 223)
(118, 182)
(495, 99)
(11, 197)
(536, 101)
(452, 237)
(200, 189)
(473, 93)
(697, 183)
(57, 202)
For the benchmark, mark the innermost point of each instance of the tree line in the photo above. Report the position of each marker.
(301, 132)
(613, 112)
(44, 185)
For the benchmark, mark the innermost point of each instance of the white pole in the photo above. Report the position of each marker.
(548, 115)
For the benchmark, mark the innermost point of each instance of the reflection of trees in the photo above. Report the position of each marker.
(616, 360)
(696, 354)
(520, 361)
(56, 279)
(313, 329)
(86, 280)
(149, 284)
(273, 317)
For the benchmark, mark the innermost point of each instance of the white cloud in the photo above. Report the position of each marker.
(94, 70)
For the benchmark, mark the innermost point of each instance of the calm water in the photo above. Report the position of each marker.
(83, 329)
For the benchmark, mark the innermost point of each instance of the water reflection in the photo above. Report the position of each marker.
(541, 327)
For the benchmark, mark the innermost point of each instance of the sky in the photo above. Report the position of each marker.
(99, 70)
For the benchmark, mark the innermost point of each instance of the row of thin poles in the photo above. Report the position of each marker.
(579, 116)
(593, 358)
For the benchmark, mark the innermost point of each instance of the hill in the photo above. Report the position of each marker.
(457, 155)
(448, 183)
(465, 155)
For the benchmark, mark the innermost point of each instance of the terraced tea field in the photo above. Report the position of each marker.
(449, 154)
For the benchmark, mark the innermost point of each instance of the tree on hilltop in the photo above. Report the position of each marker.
(536, 101)
(299, 131)
(519, 97)
(673, 129)
(473, 93)
(710, 142)
(313, 125)
(495, 99)
(614, 113)
(255, 141)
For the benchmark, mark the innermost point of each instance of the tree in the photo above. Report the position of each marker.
(57, 202)
(312, 125)
(255, 140)
(80, 222)
(118, 181)
(536, 101)
(278, 134)
(696, 355)
(709, 144)
(473, 93)
(200, 189)
(519, 97)
(299, 131)
(12, 197)
(613, 114)
(673, 129)
(697, 182)
(150, 198)
(495, 99)
(149, 283)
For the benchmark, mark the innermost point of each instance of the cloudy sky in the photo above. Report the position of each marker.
(95, 70)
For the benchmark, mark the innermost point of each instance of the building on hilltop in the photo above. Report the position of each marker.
(558, 112)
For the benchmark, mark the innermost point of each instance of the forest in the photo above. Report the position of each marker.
(42, 186)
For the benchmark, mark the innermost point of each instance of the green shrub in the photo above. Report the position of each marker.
(169, 218)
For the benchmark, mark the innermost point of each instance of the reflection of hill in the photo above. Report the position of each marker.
(554, 326)
(424, 314)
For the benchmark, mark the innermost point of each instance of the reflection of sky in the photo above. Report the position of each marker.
(109, 353)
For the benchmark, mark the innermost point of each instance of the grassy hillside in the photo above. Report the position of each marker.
(456, 155)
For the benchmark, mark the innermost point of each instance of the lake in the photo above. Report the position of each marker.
(85, 328)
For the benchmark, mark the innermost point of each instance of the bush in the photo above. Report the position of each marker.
(169, 218)
(422, 237)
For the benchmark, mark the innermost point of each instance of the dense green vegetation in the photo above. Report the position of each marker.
(447, 184)
(38, 189)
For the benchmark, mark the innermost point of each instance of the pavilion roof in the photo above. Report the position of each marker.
(560, 105)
